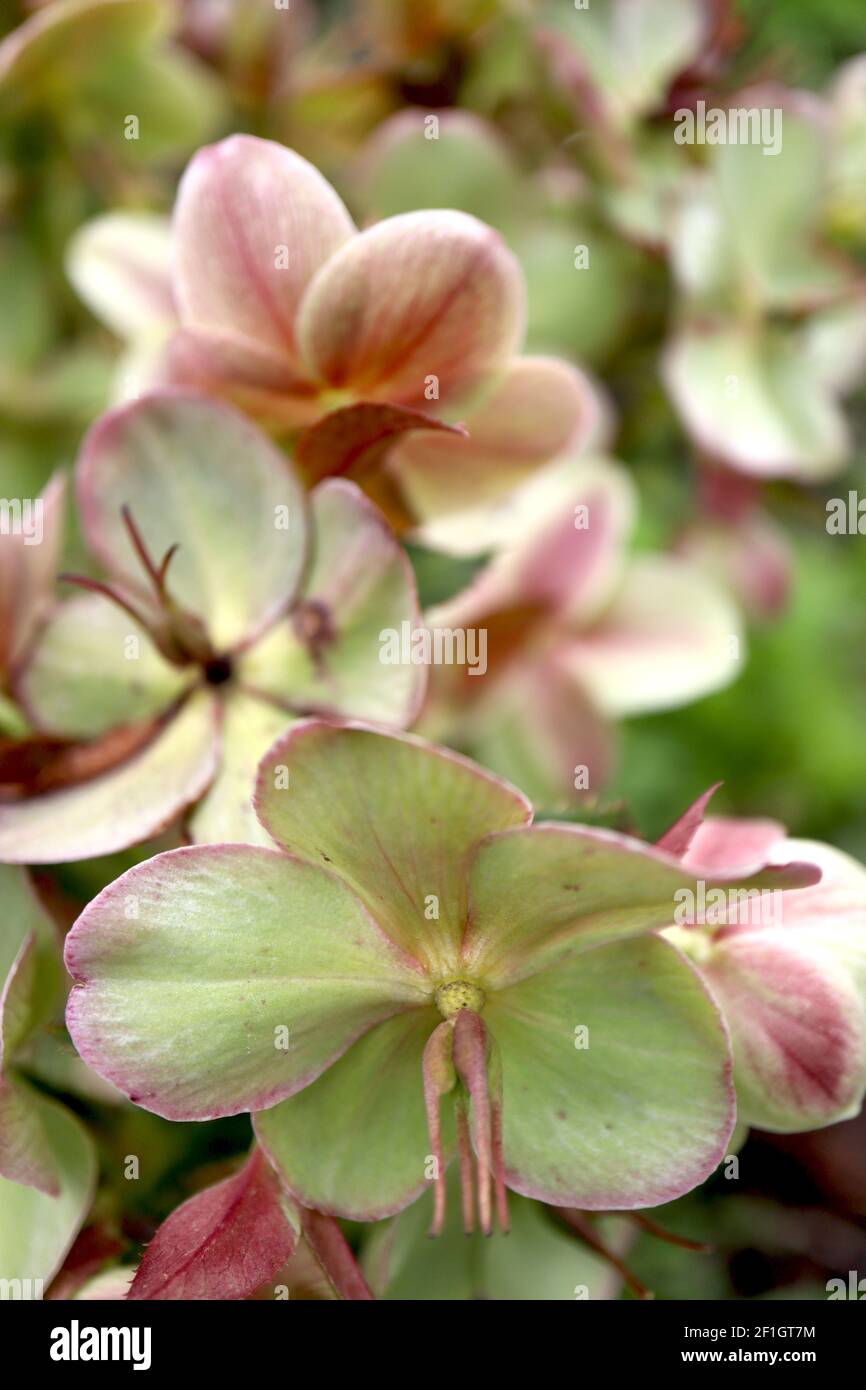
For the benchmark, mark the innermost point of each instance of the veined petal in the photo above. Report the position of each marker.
(253, 222)
(589, 887)
(258, 970)
(253, 377)
(247, 729)
(372, 1098)
(728, 844)
(195, 473)
(26, 1156)
(120, 265)
(669, 636)
(327, 654)
(395, 817)
(30, 970)
(422, 296)
(798, 1027)
(123, 806)
(632, 1112)
(539, 407)
(94, 668)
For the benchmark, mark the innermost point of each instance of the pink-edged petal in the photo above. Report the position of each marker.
(28, 564)
(353, 441)
(590, 886)
(224, 1242)
(253, 222)
(639, 1114)
(259, 970)
(798, 1027)
(127, 804)
(421, 300)
(669, 636)
(397, 818)
(120, 265)
(326, 655)
(251, 375)
(373, 1099)
(727, 844)
(559, 546)
(540, 407)
(195, 473)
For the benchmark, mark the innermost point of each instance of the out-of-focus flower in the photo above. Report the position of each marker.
(578, 634)
(417, 940)
(289, 312)
(232, 614)
(788, 972)
(772, 327)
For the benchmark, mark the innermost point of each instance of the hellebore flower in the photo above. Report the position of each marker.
(415, 966)
(770, 333)
(232, 614)
(577, 634)
(289, 312)
(788, 973)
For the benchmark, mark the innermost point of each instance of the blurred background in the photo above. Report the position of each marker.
(555, 126)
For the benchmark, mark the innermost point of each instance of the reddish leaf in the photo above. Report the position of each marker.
(351, 442)
(677, 839)
(224, 1243)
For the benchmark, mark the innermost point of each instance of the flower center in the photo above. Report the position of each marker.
(459, 994)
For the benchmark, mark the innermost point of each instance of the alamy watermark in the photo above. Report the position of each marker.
(715, 906)
(739, 125)
(434, 646)
(23, 517)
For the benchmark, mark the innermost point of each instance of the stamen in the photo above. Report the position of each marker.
(439, 1078)
(156, 575)
(470, 1059)
(464, 1149)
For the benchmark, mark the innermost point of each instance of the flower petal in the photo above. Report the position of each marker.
(212, 953)
(395, 817)
(196, 474)
(755, 401)
(354, 440)
(26, 1156)
(120, 265)
(669, 636)
(423, 297)
(223, 1243)
(798, 1027)
(360, 583)
(559, 544)
(254, 378)
(30, 969)
(589, 887)
(95, 668)
(36, 1230)
(373, 1098)
(539, 407)
(253, 222)
(639, 1115)
(728, 844)
(121, 807)
(248, 728)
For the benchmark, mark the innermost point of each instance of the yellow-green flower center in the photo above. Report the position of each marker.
(457, 995)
